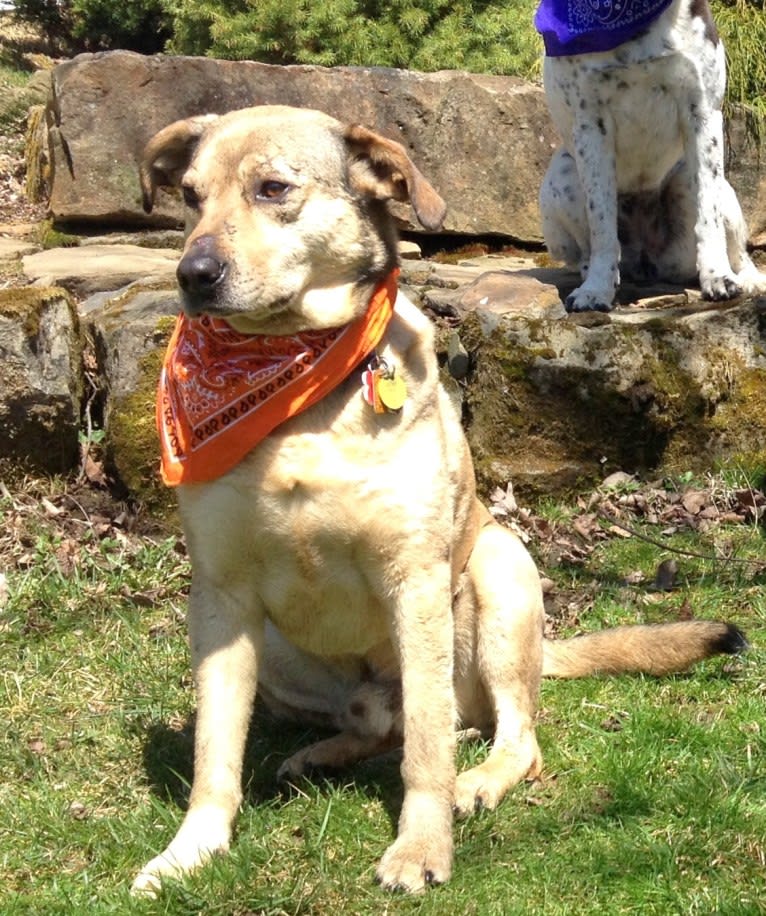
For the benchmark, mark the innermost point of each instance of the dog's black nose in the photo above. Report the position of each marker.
(199, 274)
(201, 269)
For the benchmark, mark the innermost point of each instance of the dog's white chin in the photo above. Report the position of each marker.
(314, 310)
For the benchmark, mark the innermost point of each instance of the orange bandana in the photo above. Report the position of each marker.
(221, 392)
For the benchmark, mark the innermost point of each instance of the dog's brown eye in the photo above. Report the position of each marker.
(191, 199)
(271, 190)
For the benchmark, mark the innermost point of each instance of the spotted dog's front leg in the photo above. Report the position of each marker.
(718, 280)
(702, 85)
(422, 851)
(594, 154)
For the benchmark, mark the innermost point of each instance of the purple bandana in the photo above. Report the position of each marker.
(585, 26)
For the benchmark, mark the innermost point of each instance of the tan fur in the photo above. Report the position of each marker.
(346, 565)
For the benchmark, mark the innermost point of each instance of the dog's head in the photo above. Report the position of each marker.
(289, 224)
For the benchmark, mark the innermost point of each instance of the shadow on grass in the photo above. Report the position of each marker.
(168, 759)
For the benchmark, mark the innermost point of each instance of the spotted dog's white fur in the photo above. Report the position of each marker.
(638, 182)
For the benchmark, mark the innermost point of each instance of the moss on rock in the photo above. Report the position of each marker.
(132, 444)
(553, 404)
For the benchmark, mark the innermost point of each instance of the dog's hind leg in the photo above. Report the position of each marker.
(749, 277)
(371, 724)
(508, 647)
(676, 260)
(333, 753)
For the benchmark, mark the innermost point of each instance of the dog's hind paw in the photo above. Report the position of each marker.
(752, 281)
(483, 787)
(146, 884)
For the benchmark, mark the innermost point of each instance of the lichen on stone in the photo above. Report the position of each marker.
(132, 444)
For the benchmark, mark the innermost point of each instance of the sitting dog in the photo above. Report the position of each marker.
(341, 559)
(635, 91)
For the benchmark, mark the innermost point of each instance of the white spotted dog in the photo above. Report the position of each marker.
(635, 89)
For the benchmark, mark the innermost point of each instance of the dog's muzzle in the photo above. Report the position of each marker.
(200, 271)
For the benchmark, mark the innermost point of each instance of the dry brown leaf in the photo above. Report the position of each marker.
(695, 500)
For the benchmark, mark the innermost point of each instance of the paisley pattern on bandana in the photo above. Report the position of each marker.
(221, 392)
(588, 26)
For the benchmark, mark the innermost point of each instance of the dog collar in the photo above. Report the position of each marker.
(221, 392)
(587, 26)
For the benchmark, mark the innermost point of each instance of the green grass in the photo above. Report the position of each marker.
(14, 101)
(653, 799)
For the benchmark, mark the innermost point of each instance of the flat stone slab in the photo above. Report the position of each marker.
(90, 268)
(11, 248)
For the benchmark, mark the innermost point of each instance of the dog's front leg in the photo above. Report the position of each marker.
(702, 125)
(717, 278)
(225, 635)
(594, 153)
(422, 852)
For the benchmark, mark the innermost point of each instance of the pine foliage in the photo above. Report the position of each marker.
(483, 36)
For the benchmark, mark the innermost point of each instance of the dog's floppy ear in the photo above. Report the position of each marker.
(167, 155)
(382, 169)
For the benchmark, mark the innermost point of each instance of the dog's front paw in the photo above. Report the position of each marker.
(202, 835)
(584, 300)
(411, 863)
(720, 288)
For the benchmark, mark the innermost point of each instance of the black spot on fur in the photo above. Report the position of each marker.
(731, 642)
(358, 709)
(701, 9)
(394, 701)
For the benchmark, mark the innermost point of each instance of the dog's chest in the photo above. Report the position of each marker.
(632, 111)
(320, 530)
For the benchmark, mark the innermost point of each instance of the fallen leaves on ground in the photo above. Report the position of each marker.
(79, 525)
(622, 507)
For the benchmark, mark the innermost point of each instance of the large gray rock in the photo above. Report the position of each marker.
(483, 141)
(555, 401)
(40, 380)
(746, 171)
(551, 401)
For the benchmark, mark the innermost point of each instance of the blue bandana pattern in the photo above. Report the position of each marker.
(586, 26)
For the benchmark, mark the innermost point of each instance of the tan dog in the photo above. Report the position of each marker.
(345, 566)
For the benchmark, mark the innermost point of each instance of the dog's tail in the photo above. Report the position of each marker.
(656, 649)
